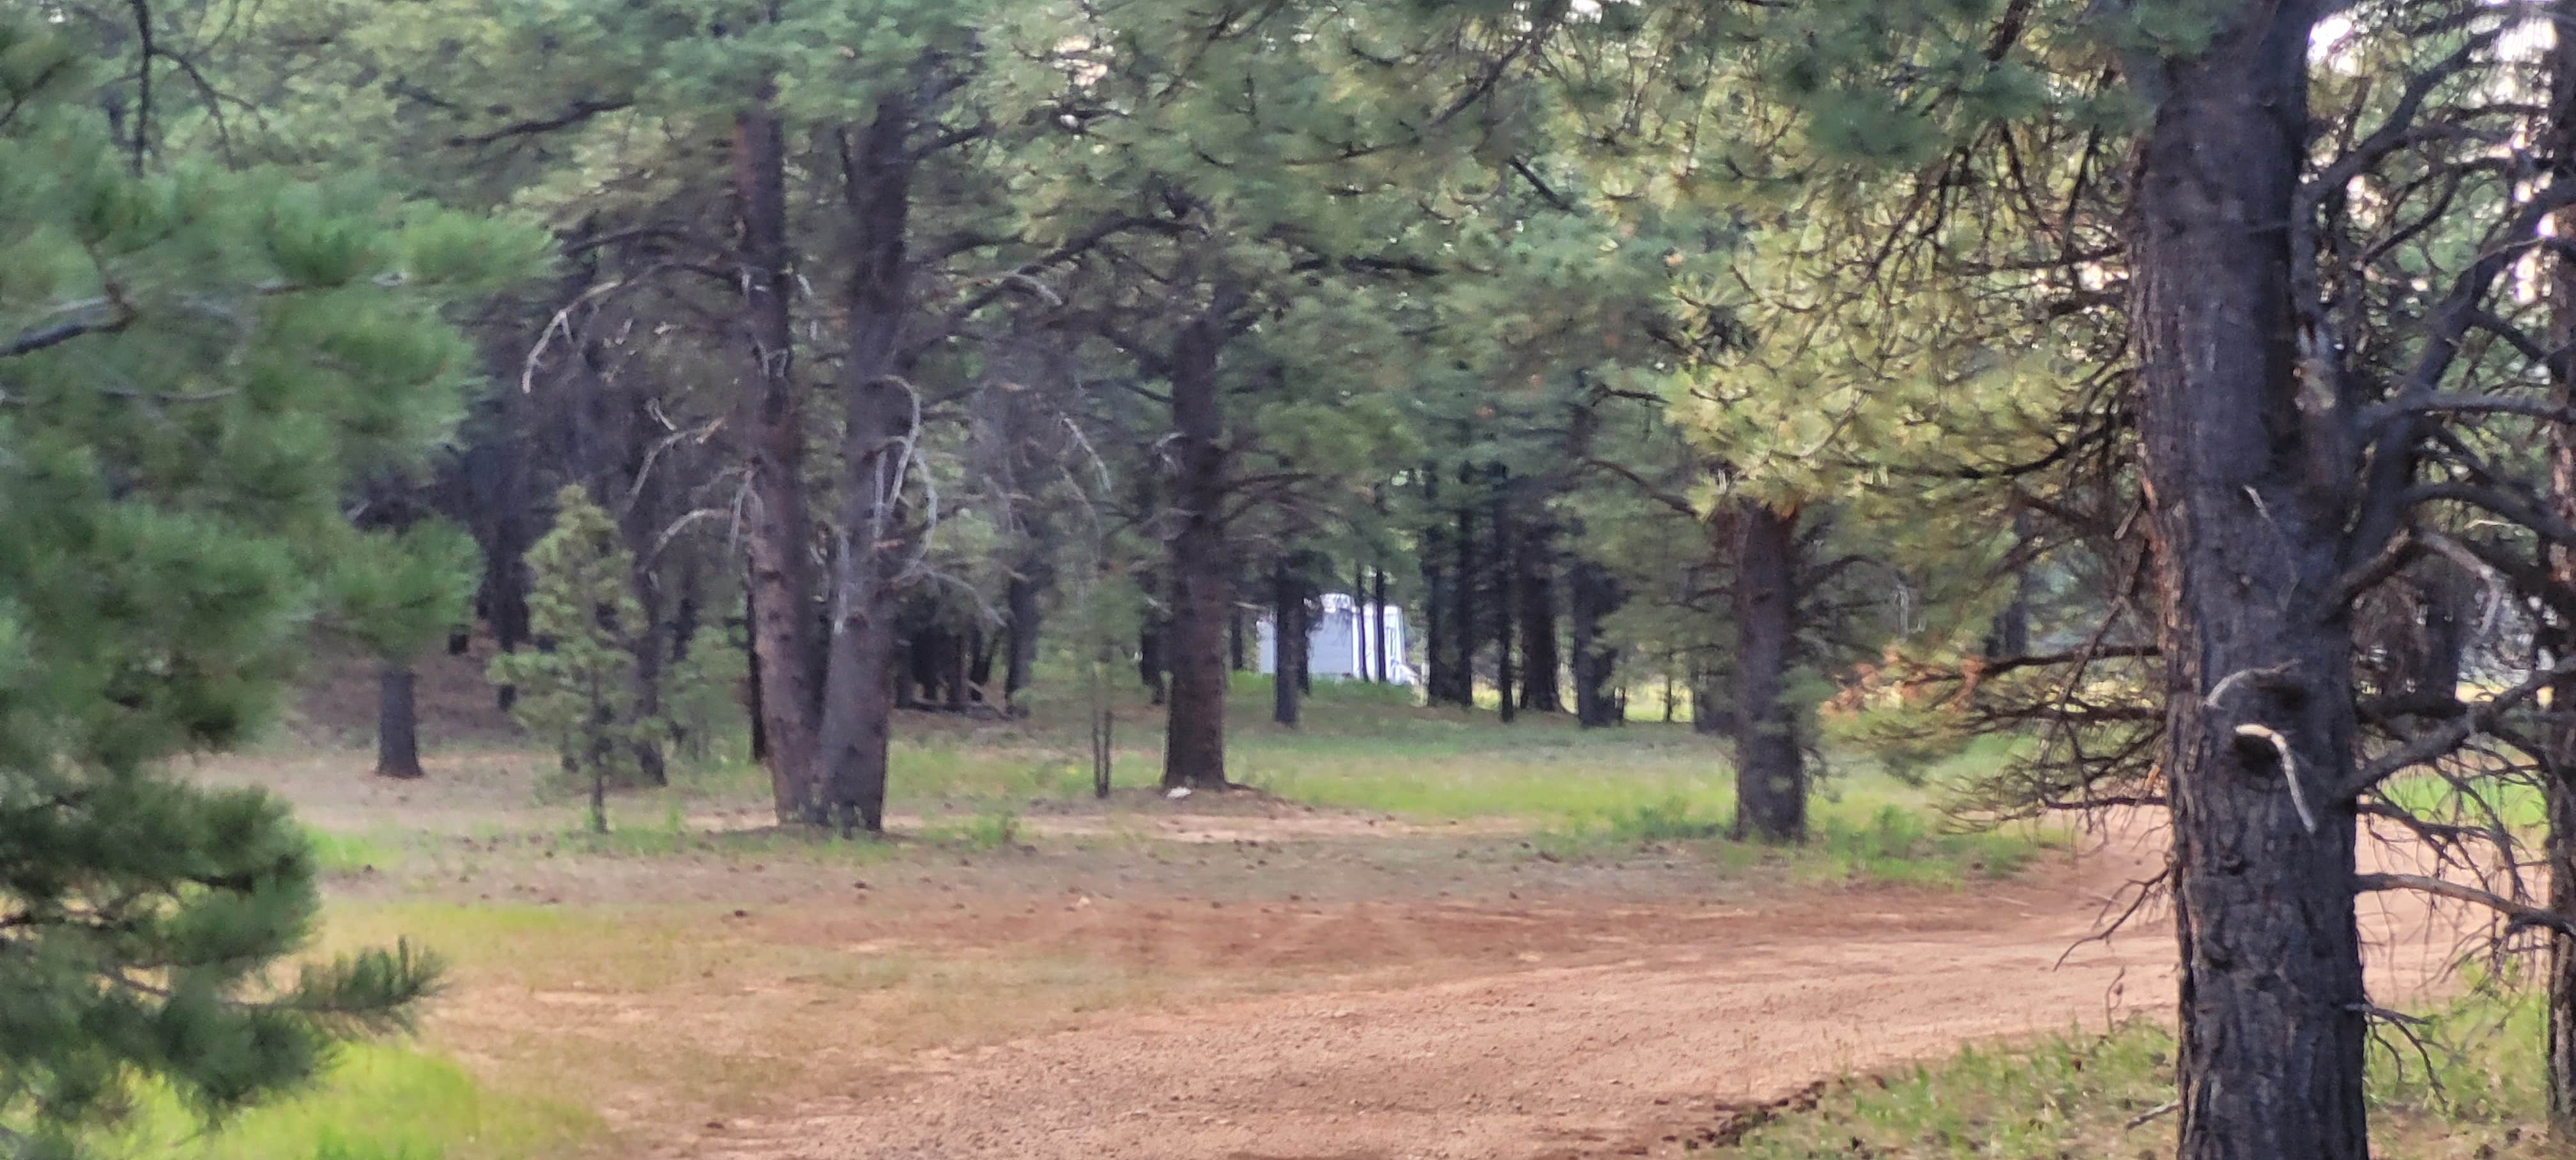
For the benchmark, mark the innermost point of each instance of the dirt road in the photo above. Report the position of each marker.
(1606, 1051)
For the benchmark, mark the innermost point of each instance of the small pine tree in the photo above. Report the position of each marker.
(702, 693)
(578, 688)
(196, 366)
(404, 590)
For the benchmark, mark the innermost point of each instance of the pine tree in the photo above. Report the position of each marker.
(578, 689)
(194, 366)
(404, 590)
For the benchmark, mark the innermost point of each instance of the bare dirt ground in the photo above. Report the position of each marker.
(1248, 980)
(1670, 1019)
(1572, 1029)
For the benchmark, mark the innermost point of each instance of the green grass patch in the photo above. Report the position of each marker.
(1848, 841)
(379, 1102)
(2472, 1090)
(340, 854)
(2480, 802)
(993, 828)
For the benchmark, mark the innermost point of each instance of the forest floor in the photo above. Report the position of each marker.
(1026, 973)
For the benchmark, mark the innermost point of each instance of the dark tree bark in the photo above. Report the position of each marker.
(1377, 629)
(1150, 664)
(751, 676)
(1505, 554)
(2247, 508)
(1359, 619)
(777, 529)
(979, 670)
(1305, 638)
(1770, 751)
(1465, 630)
(1590, 596)
(397, 722)
(878, 164)
(960, 671)
(1539, 661)
(1202, 563)
(1022, 601)
(1288, 631)
(1234, 643)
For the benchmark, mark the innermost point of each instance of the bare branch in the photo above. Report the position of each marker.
(2516, 914)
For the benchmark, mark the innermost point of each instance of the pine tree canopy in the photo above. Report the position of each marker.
(194, 367)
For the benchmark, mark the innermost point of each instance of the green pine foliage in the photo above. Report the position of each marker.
(406, 588)
(578, 689)
(194, 366)
(702, 694)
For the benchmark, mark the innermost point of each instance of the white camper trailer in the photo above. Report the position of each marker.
(1343, 642)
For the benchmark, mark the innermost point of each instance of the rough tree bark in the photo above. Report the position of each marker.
(881, 411)
(2247, 514)
(777, 527)
(1201, 563)
(1770, 753)
(397, 722)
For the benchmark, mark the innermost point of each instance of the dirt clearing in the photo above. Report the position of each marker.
(1247, 979)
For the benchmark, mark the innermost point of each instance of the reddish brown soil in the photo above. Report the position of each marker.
(1574, 1028)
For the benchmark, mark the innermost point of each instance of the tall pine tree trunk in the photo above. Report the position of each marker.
(1288, 629)
(1151, 669)
(751, 678)
(1770, 751)
(1506, 532)
(2560, 785)
(2259, 718)
(1360, 622)
(397, 722)
(1377, 628)
(777, 529)
(876, 451)
(1021, 601)
(960, 671)
(1539, 661)
(1589, 597)
(1464, 633)
(1202, 564)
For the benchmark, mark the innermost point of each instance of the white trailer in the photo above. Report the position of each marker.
(1343, 643)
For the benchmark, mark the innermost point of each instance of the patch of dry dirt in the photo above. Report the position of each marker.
(1528, 1033)
(1556, 1031)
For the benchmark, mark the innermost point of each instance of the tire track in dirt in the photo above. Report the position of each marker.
(1605, 1056)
